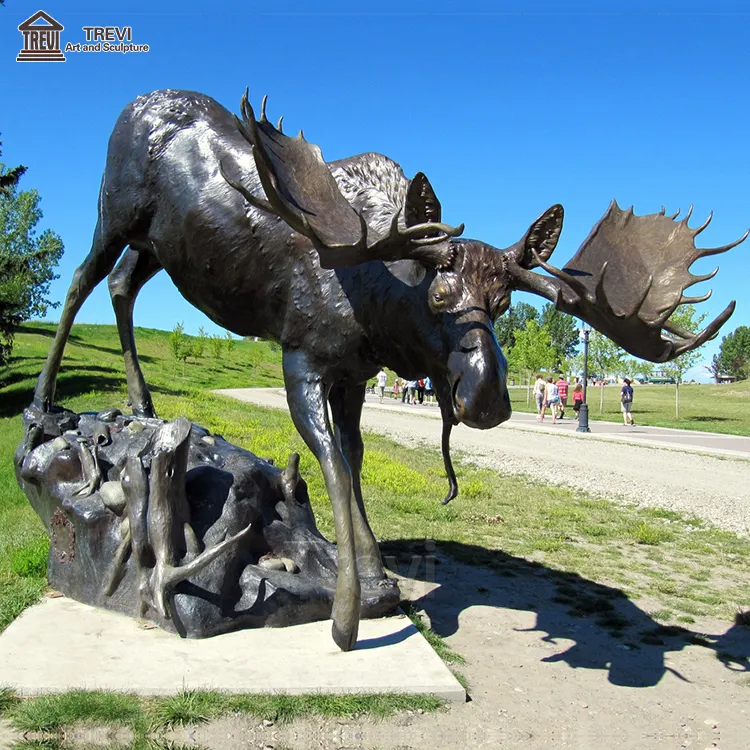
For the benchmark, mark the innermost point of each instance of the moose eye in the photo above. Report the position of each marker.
(438, 298)
(441, 295)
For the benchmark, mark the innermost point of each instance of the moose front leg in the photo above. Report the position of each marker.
(307, 403)
(346, 410)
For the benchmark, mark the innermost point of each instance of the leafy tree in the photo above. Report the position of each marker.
(715, 368)
(605, 358)
(532, 352)
(642, 368)
(685, 317)
(27, 259)
(198, 344)
(734, 353)
(563, 331)
(9, 177)
(229, 343)
(574, 364)
(513, 321)
(216, 345)
(179, 344)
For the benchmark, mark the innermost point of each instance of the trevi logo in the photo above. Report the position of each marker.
(41, 40)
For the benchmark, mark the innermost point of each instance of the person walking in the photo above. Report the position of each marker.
(382, 378)
(405, 388)
(411, 387)
(562, 392)
(626, 402)
(429, 391)
(577, 398)
(551, 399)
(539, 386)
(395, 388)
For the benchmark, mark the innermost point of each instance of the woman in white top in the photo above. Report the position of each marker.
(551, 399)
(539, 395)
(382, 378)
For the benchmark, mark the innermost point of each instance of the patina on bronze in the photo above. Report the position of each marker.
(348, 265)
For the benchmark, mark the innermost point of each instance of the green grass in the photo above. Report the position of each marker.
(50, 714)
(441, 648)
(704, 407)
(8, 700)
(93, 364)
(197, 707)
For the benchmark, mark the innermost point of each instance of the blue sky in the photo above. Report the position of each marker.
(508, 107)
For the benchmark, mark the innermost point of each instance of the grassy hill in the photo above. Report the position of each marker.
(93, 362)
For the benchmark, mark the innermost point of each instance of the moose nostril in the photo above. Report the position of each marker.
(454, 391)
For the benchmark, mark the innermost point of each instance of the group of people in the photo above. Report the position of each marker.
(549, 394)
(553, 395)
(411, 391)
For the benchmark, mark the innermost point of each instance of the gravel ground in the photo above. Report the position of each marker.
(716, 489)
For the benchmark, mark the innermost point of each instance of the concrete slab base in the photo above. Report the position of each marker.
(60, 644)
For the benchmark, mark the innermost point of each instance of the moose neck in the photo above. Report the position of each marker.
(390, 303)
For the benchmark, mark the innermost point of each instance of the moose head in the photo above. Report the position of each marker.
(626, 280)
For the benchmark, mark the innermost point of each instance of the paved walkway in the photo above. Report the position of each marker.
(710, 443)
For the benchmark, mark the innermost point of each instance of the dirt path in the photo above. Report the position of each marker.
(540, 678)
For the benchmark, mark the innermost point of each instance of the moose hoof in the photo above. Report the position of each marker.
(42, 404)
(144, 412)
(345, 640)
(345, 616)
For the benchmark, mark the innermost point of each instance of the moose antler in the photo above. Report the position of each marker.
(627, 279)
(300, 189)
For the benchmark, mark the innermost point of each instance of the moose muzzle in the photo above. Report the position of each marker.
(479, 389)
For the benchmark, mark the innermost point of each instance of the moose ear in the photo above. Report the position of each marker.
(422, 205)
(542, 237)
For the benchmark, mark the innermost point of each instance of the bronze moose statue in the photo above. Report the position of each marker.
(348, 265)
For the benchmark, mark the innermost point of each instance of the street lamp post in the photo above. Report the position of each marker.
(583, 413)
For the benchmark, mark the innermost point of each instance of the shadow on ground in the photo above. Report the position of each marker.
(609, 631)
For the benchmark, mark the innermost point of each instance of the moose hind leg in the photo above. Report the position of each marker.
(131, 273)
(98, 263)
